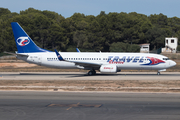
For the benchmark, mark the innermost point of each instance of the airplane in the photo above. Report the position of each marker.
(92, 61)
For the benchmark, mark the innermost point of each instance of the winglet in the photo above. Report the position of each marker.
(59, 56)
(78, 50)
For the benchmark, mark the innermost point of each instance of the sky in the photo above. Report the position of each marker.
(67, 8)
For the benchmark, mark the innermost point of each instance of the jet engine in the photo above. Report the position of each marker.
(108, 69)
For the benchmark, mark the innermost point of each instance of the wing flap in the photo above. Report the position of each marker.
(86, 64)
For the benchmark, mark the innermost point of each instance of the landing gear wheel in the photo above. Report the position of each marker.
(94, 72)
(90, 73)
(158, 73)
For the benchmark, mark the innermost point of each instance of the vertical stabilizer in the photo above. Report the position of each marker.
(23, 42)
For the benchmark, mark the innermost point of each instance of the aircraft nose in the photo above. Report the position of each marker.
(172, 63)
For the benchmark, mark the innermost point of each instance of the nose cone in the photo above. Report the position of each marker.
(172, 63)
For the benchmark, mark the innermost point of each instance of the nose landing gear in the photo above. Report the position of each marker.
(158, 73)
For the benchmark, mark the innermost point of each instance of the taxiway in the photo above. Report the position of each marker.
(28, 105)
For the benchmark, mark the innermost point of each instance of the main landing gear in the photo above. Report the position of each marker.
(158, 73)
(92, 72)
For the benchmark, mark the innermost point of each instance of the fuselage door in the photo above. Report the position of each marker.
(39, 60)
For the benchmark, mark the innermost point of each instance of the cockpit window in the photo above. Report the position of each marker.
(165, 58)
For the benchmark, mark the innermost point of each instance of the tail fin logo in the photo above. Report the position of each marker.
(22, 41)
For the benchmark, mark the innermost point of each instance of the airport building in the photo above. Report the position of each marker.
(170, 45)
(144, 48)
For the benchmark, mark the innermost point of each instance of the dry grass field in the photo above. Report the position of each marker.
(85, 85)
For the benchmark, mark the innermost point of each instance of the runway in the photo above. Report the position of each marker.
(16, 105)
(84, 76)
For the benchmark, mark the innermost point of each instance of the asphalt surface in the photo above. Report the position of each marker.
(84, 76)
(28, 105)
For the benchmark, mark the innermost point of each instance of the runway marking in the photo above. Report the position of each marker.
(74, 105)
(71, 107)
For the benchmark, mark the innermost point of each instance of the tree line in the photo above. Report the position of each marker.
(114, 32)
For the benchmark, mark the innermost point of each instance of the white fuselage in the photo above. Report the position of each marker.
(139, 61)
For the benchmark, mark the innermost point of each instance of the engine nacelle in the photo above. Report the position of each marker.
(108, 69)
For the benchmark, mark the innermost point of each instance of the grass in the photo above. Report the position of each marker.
(94, 85)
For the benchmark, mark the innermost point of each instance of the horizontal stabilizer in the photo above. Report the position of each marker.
(22, 54)
(10, 53)
(19, 54)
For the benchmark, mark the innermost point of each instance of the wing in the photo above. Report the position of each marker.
(84, 64)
